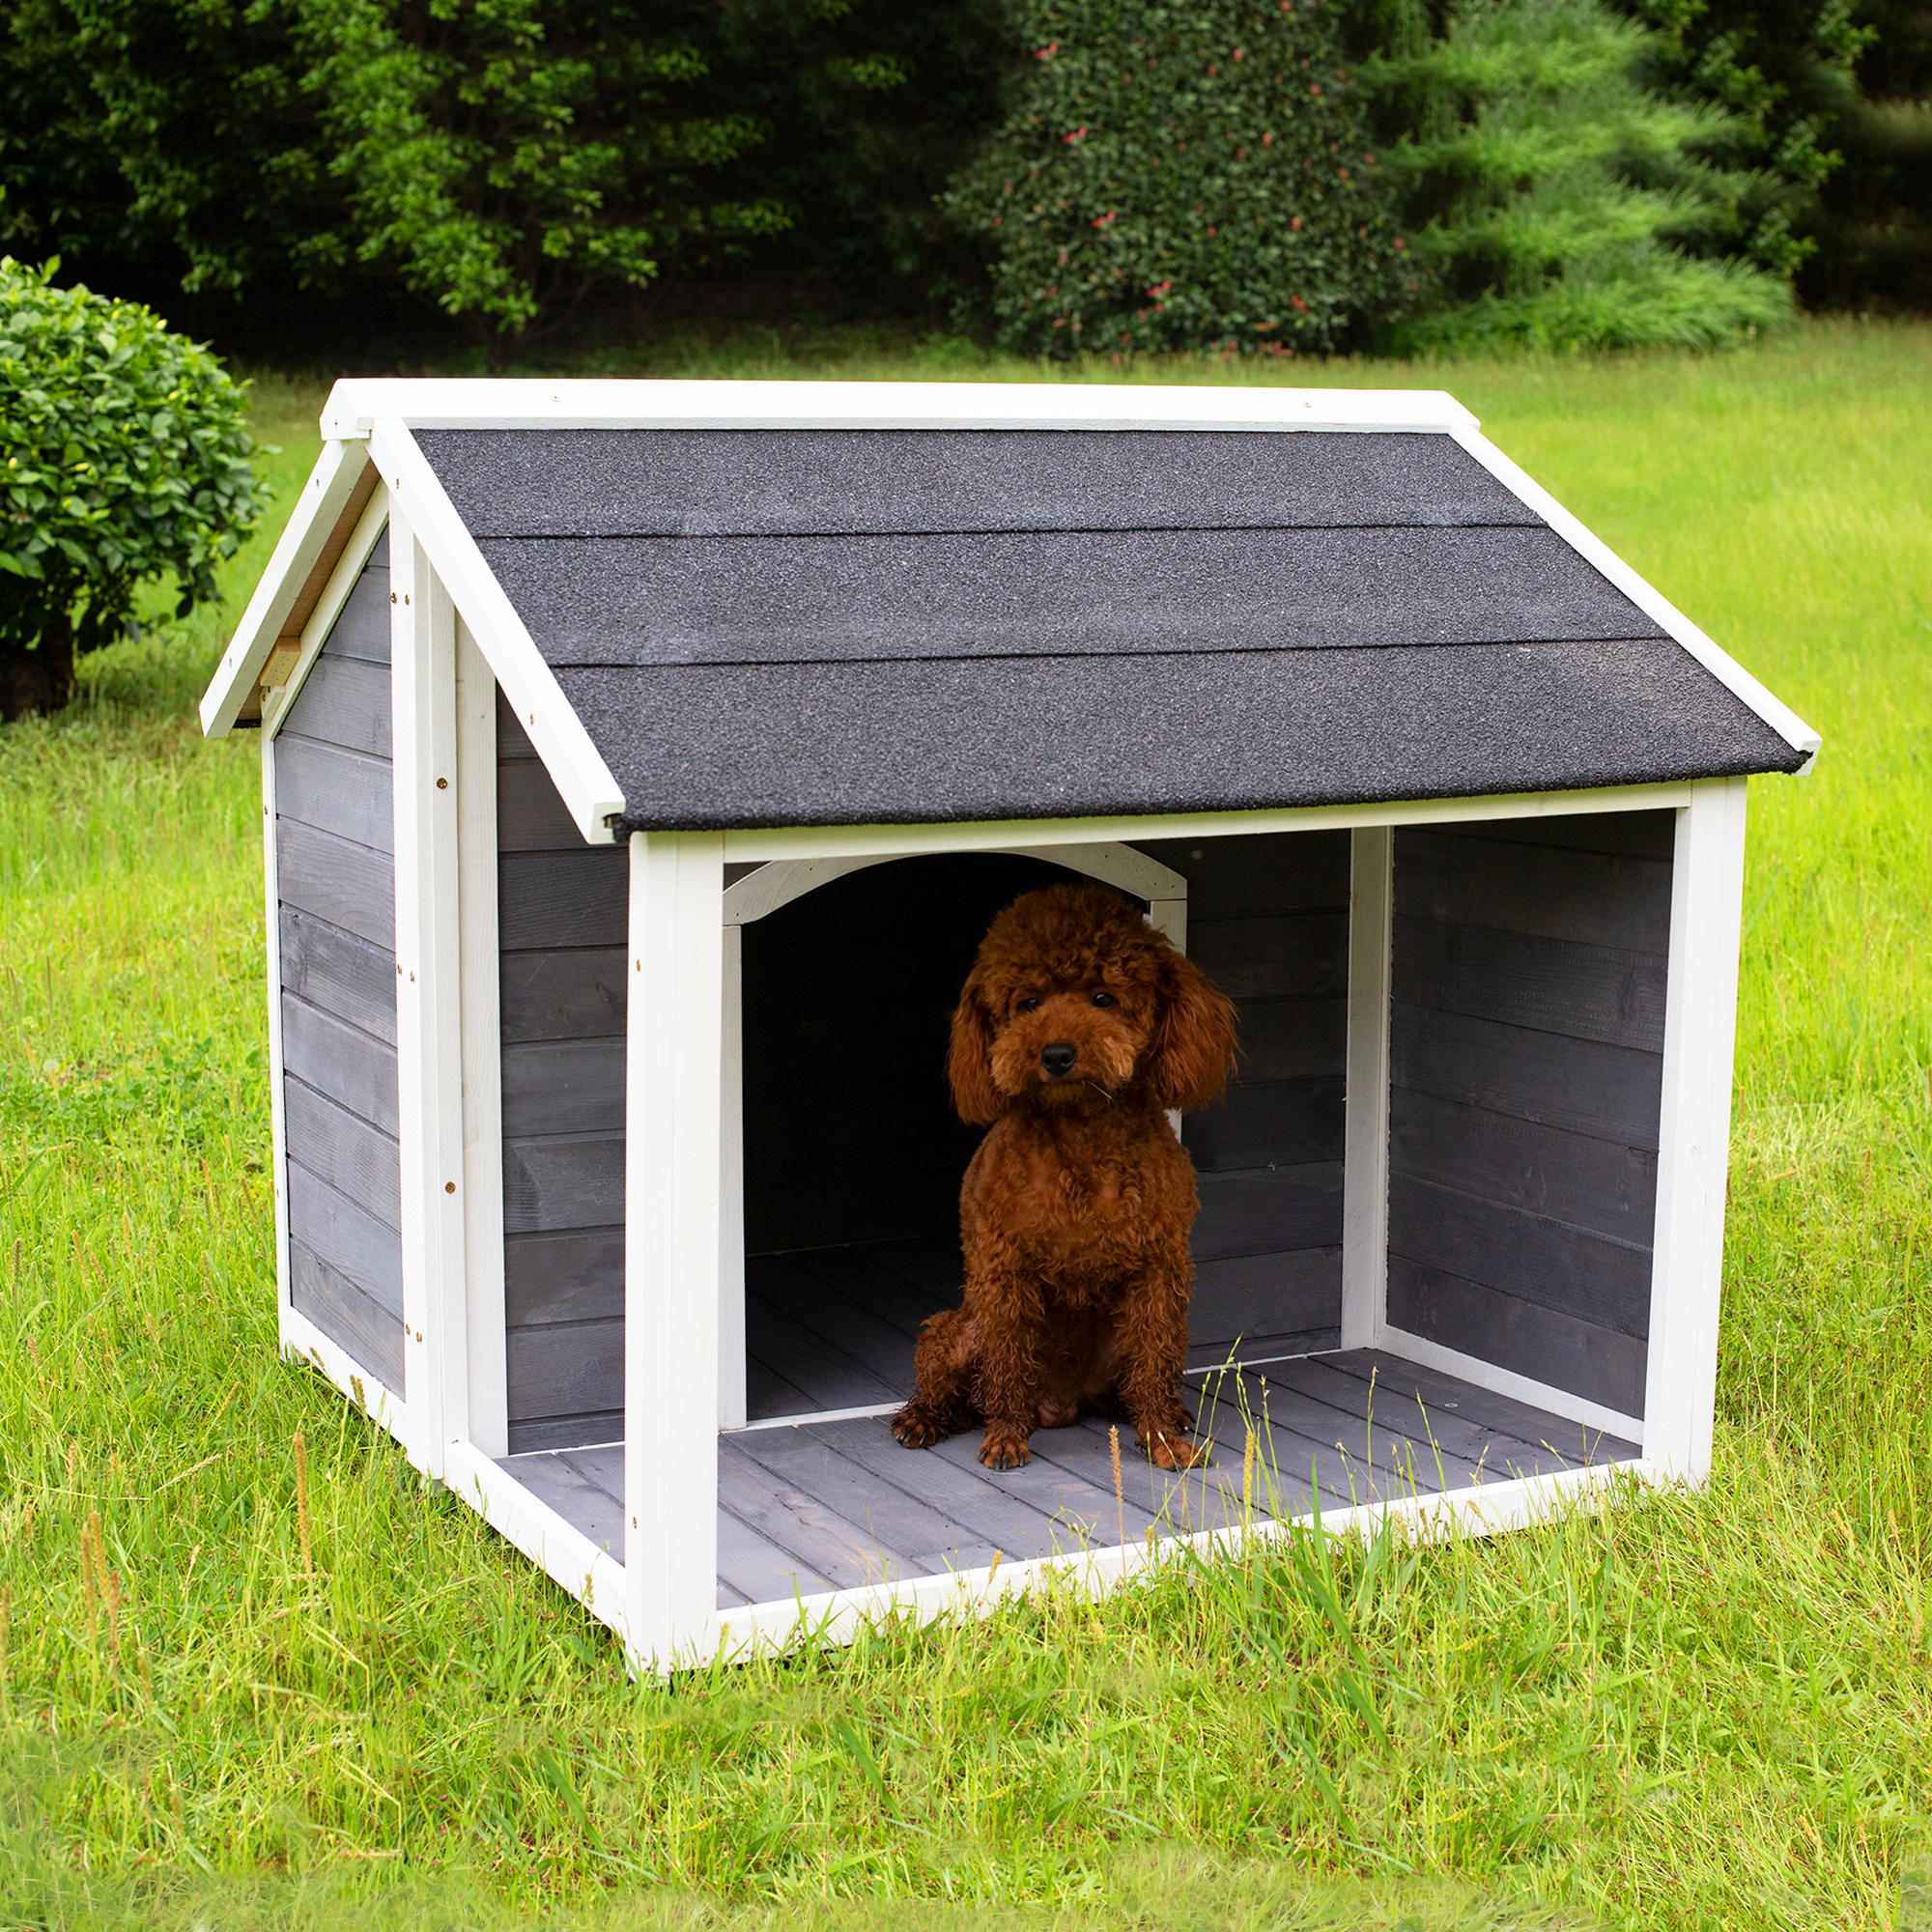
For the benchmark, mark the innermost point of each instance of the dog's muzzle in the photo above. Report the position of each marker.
(1058, 1057)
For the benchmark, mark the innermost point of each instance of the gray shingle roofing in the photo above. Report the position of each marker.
(765, 627)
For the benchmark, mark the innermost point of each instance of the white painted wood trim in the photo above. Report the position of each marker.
(278, 1147)
(675, 1053)
(387, 1409)
(835, 1616)
(485, 1332)
(1040, 835)
(558, 1547)
(1365, 1184)
(342, 579)
(1428, 1355)
(1651, 601)
(865, 1412)
(429, 996)
(576, 767)
(356, 407)
(732, 1404)
(1699, 1034)
(324, 498)
(1112, 862)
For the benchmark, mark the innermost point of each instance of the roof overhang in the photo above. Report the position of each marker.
(354, 407)
(368, 427)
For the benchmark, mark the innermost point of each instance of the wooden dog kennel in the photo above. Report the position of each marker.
(642, 761)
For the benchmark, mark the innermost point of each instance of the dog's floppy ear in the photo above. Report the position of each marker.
(1194, 1040)
(969, 1062)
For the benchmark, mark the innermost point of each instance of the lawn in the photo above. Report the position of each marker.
(253, 1671)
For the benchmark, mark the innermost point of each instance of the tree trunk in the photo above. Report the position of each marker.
(40, 678)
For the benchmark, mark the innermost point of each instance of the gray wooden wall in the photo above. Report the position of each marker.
(337, 883)
(562, 910)
(1268, 920)
(1527, 1047)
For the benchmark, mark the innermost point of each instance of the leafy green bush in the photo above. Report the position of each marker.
(123, 456)
(1551, 196)
(1184, 177)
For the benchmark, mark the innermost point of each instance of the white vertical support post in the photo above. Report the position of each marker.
(429, 1039)
(674, 1061)
(485, 1332)
(1694, 1132)
(731, 1404)
(1366, 1138)
(278, 1153)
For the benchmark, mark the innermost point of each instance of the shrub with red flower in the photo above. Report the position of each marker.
(1166, 180)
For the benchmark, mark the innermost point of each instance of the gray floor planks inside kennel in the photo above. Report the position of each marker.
(809, 1507)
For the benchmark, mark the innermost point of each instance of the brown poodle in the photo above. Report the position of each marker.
(1078, 1028)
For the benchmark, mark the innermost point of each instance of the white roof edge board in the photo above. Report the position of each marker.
(576, 769)
(355, 404)
(1651, 601)
(311, 523)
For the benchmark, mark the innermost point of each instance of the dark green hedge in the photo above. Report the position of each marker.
(1192, 176)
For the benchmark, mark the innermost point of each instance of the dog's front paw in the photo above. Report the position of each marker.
(1005, 1449)
(916, 1429)
(1173, 1451)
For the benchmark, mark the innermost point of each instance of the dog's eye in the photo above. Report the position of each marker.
(1104, 999)
(1028, 1006)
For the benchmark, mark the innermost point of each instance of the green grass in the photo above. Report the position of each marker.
(1708, 1710)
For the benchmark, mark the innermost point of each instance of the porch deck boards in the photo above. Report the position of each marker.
(817, 1506)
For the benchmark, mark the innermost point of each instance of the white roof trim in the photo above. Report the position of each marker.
(342, 579)
(1651, 601)
(575, 765)
(310, 525)
(354, 407)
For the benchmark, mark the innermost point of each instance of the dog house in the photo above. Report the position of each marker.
(641, 762)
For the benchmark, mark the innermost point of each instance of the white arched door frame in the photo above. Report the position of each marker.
(777, 884)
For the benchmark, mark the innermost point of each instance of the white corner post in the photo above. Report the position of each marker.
(278, 1155)
(485, 1332)
(1695, 1139)
(429, 1039)
(1365, 1177)
(672, 1197)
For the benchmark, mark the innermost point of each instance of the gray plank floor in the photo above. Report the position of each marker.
(834, 1327)
(816, 1506)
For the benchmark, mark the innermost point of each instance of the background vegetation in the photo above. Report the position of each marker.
(421, 181)
(219, 1706)
(1198, 176)
(123, 459)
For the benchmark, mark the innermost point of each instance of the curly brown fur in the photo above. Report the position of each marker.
(1078, 1028)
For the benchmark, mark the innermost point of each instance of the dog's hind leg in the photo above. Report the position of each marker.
(943, 1366)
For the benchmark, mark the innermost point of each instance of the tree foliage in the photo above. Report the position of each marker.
(123, 458)
(1184, 177)
(498, 161)
(1558, 203)
(1781, 71)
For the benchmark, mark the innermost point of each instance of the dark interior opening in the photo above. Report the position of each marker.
(853, 1155)
(849, 993)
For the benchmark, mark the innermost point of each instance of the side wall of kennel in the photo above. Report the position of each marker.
(1529, 970)
(333, 913)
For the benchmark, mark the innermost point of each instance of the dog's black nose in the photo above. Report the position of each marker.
(1058, 1057)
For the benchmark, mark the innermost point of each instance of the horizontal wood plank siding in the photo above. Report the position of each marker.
(561, 927)
(1526, 1042)
(337, 883)
(1268, 920)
